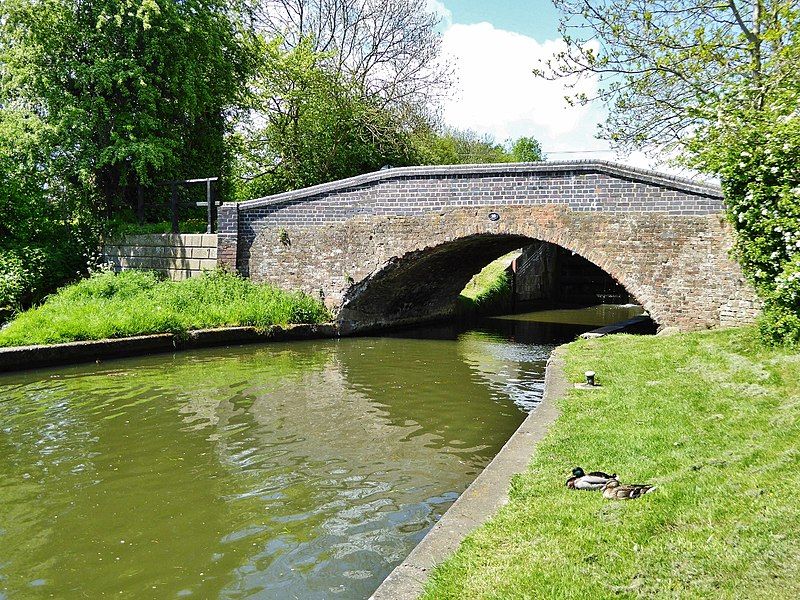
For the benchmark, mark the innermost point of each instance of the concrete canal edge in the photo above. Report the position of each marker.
(18, 358)
(483, 498)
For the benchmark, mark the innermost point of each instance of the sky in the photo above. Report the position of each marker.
(494, 46)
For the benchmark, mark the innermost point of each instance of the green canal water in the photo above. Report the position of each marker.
(298, 470)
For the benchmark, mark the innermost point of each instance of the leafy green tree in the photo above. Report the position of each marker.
(664, 67)
(526, 149)
(129, 90)
(453, 146)
(389, 50)
(44, 238)
(310, 125)
(96, 97)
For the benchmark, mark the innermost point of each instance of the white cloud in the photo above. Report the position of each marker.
(496, 93)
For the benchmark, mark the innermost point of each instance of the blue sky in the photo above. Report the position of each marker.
(536, 18)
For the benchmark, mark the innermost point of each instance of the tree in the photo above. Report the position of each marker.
(664, 66)
(340, 87)
(389, 49)
(129, 90)
(452, 147)
(526, 149)
(45, 237)
(310, 125)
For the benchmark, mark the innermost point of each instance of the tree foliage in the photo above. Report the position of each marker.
(718, 81)
(664, 66)
(45, 236)
(342, 87)
(450, 146)
(129, 90)
(526, 149)
(755, 148)
(310, 125)
(97, 96)
(389, 49)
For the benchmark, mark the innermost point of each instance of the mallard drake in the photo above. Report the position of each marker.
(593, 481)
(614, 490)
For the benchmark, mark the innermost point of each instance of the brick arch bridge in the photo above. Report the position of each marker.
(399, 245)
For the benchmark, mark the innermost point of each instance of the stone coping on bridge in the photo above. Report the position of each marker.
(546, 167)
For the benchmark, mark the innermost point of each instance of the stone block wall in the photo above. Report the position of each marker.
(179, 256)
(535, 277)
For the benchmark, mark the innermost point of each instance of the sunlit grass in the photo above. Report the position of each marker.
(138, 302)
(714, 420)
(492, 285)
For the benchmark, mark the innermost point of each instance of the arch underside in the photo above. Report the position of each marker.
(425, 284)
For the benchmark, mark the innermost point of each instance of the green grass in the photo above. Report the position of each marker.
(490, 287)
(713, 419)
(139, 302)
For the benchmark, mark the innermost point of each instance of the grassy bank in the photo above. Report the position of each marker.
(490, 289)
(714, 420)
(136, 302)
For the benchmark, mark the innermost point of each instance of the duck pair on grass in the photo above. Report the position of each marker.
(609, 484)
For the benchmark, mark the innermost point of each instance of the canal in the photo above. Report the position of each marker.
(288, 470)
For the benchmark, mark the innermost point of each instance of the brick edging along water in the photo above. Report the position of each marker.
(483, 498)
(18, 358)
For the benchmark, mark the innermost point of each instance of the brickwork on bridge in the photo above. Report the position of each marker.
(398, 245)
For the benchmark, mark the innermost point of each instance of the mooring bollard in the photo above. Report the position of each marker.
(590, 383)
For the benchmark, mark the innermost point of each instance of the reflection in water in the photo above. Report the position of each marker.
(596, 316)
(302, 470)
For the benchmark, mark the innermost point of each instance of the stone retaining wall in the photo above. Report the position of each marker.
(179, 256)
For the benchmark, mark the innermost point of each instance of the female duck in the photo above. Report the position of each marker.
(613, 490)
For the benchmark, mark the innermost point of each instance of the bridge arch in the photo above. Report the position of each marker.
(356, 242)
(424, 283)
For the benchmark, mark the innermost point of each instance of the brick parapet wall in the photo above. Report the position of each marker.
(416, 194)
(179, 256)
(540, 171)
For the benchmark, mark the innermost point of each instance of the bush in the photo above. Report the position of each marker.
(756, 155)
(780, 321)
(46, 234)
